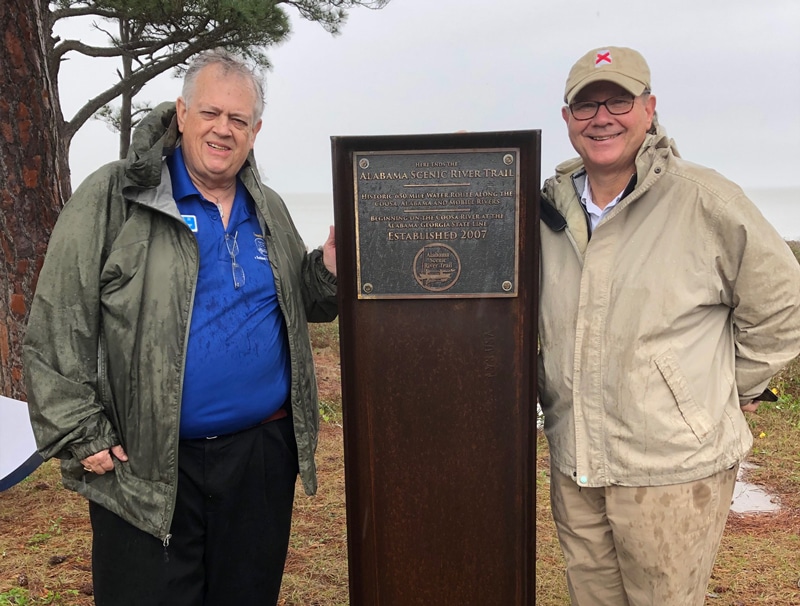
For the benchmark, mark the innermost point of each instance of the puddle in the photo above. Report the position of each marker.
(749, 498)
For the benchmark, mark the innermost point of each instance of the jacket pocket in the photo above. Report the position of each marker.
(696, 418)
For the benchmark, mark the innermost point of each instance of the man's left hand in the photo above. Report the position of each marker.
(103, 462)
(329, 252)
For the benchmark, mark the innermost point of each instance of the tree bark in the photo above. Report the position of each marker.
(126, 107)
(34, 173)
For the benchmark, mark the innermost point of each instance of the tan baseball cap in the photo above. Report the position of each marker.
(623, 66)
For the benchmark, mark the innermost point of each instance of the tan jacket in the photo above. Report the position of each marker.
(682, 305)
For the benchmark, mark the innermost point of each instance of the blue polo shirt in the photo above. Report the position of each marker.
(237, 369)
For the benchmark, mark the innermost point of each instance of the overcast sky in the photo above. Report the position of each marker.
(726, 74)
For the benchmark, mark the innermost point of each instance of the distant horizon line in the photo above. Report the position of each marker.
(744, 187)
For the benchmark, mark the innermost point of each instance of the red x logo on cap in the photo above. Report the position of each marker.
(602, 57)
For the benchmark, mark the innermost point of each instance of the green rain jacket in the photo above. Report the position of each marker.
(106, 340)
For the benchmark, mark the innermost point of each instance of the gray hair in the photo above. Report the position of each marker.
(230, 64)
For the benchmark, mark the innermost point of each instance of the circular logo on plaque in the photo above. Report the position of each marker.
(363, 163)
(436, 267)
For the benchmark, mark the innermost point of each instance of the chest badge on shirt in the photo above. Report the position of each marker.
(261, 248)
(191, 221)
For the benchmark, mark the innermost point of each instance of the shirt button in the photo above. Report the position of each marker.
(584, 479)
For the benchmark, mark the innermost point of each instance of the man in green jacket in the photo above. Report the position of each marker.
(667, 303)
(168, 358)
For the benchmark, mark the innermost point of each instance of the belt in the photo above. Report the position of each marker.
(278, 414)
(281, 413)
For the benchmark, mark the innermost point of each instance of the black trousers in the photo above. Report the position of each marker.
(230, 532)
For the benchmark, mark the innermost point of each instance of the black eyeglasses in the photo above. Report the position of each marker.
(616, 106)
(233, 250)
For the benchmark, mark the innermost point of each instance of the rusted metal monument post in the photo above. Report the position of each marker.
(437, 246)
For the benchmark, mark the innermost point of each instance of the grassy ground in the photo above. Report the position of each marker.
(45, 539)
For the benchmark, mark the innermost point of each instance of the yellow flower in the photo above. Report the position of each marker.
(775, 390)
(762, 435)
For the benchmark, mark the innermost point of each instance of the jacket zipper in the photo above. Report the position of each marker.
(171, 512)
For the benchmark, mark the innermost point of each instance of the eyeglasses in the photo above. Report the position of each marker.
(233, 250)
(616, 106)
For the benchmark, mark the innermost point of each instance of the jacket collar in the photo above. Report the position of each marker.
(155, 137)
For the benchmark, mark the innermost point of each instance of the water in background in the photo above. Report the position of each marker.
(312, 215)
(781, 207)
(313, 212)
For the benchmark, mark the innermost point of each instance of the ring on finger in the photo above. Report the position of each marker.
(89, 469)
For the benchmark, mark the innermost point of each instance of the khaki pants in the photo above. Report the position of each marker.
(640, 546)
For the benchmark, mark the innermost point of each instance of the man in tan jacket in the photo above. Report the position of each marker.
(667, 304)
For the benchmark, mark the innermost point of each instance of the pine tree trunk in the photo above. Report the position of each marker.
(126, 105)
(34, 173)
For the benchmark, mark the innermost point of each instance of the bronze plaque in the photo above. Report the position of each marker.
(439, 223)
(439, 365)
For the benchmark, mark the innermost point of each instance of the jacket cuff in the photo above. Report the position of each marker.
(323, 272)
(86, 450)
(103, 438)
(753, 393)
